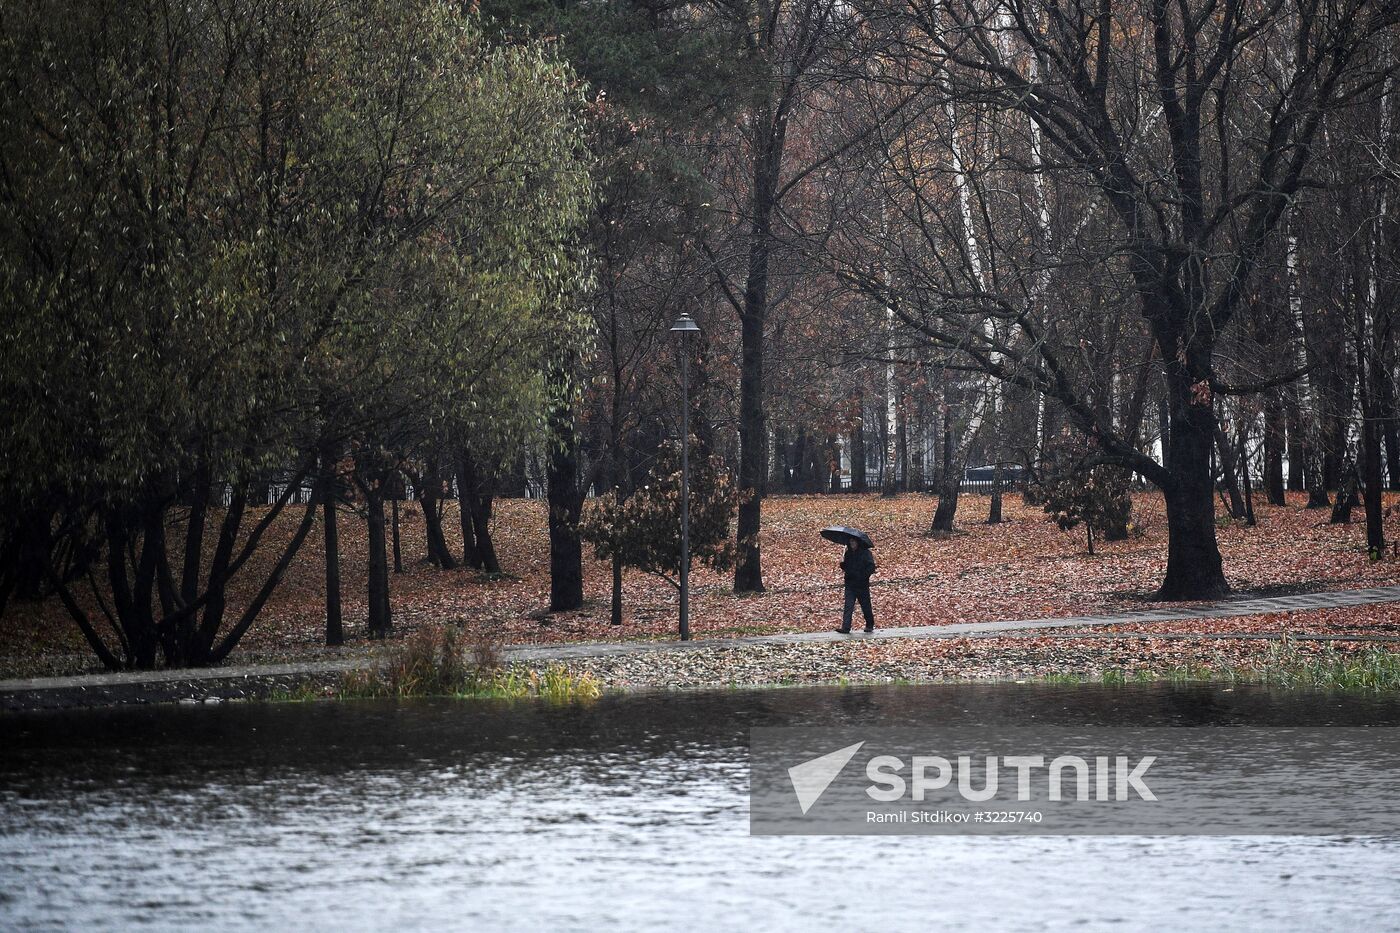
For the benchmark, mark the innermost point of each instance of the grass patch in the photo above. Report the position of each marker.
(1372, 669)
(1284, 664)
(442, 662)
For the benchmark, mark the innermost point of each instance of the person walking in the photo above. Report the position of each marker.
(859, 565)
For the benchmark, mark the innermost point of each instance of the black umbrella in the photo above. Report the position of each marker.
(840, 534)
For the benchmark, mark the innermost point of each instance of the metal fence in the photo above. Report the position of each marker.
(272, 492)
(974, 486)
(223, 494)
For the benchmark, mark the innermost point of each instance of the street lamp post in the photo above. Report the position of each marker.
(684, 327)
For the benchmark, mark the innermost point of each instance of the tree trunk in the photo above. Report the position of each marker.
(1297, 450)
(1332, 466)
(430, 497)
(1245, 481)
(479, 501)
(1390, 429)
(901, 446)
(858, 481)
(394, 533)
(146, 639)
(565, 505)
(194, 534)
(142, 582)
(1274, 444)
(1346, 495)
(918, 453)
(1310, 459)
(817, 466)
(1193, 556)
(1391, 434)
(777, 467)
(1371, 478)
(1229, 476)
(1314, 477)
(770, 133)
(1164, 426)
(335, 626)
(380, 619)
(949, 482)
(753, 432)
(1312, 392)
(797, 464)
(994, 513)
(470, 555)
(481, 523)
(616, 616)
(214, 654)
(889, 432)
(219, 571)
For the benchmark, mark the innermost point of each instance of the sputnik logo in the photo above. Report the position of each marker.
(811, 778)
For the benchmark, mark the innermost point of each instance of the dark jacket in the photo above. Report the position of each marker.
(859, 566)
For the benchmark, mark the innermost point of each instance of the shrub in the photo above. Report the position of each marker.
(429, 663)
(643, 530)
(1078, 491)
(442, 661)
(485, 650)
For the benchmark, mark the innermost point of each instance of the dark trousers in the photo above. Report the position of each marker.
(856, 594)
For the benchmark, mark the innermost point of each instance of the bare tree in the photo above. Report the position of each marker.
(1184, 131)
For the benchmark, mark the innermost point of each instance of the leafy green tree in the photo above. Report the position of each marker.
(475, 175)
(657, 76)
(150, 350)
(239, 242)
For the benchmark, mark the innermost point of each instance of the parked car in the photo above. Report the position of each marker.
(1010, 474)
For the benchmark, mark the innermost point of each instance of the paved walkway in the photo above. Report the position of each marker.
(1220, 610)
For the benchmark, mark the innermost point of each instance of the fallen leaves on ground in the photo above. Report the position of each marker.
(1022, 568)
(909, 659)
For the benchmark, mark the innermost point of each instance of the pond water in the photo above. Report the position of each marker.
(629, 812)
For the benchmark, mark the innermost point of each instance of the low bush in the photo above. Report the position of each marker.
(444, 662)
(1284, 664)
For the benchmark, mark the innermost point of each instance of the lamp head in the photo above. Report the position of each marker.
(685, 326)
